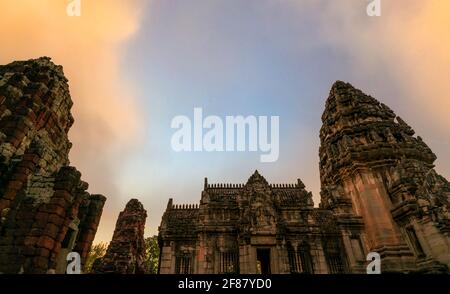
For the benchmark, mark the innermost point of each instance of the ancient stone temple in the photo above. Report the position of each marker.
(126, 251)
(45, 211)
(380, 193)
(378, 180)
(254, 227)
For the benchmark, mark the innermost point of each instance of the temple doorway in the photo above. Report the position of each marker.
(263, 261)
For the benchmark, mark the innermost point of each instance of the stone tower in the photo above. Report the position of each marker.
(379, 181)
(126, 252)
(45, 211)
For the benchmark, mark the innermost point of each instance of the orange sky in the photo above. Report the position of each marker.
(410, 42)
(411, 36)
(89, 47)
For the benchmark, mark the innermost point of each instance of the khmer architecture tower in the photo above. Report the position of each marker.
(380, 193)
(378, 180)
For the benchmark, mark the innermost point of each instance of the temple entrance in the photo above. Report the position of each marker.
(263, 260)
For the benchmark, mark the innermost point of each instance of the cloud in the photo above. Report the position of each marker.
(410, 41)
(408, 46)
(107, 117)
(403, 56)
(420, 42)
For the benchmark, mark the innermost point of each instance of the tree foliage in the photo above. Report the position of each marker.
(97, 251)
(152, 255)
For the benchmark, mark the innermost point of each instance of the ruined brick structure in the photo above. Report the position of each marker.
(45, 211)
(379, 193)
(126, 252)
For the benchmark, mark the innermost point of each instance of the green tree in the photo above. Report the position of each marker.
(151, 255)
(97, 251)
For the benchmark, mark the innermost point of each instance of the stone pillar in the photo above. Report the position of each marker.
(318, 256)
(89, 214)
(165, 265)
(126, 251)
(275, 260)
(373, 204)
(283, 259)
(247, 259)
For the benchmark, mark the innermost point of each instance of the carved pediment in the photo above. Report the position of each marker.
(257, 180)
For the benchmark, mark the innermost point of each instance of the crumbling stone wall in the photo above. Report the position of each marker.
(126, 252)
(45, 211)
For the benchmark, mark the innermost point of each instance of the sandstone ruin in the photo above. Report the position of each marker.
(45, 211)
(126, 252)
(379, 193)
(379, 181)
(251, 228)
